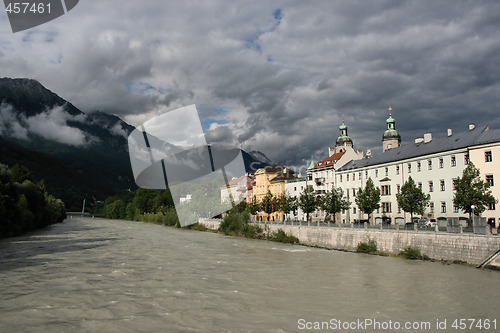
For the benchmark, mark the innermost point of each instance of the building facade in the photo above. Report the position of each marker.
(271, 179)
(486, 157)
(322, 175)
(433, 165)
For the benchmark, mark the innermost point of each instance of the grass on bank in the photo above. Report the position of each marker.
(236, 224)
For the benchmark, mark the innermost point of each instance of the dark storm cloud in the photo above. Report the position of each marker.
(283, 72)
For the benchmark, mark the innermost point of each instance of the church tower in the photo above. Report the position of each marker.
(391, 138)
(343, 140)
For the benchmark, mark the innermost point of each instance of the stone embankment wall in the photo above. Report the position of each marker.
(468, 248)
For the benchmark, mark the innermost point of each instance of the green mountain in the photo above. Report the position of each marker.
(79, 156)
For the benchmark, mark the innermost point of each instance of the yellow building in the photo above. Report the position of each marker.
(271, 179)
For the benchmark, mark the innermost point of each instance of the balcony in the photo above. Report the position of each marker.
(319, 180)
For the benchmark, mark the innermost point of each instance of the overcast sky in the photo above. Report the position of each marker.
(273, 76)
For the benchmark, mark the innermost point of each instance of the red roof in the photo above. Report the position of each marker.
(329, 161)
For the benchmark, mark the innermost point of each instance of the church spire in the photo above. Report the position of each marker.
(391, 137)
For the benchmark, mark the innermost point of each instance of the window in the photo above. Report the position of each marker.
(295, 189)
(419, 166)
(341, 178)
(397, 169)
(353, 176)
(466, 159)
(431, 207)
(431, 186)
(347, 177)
(443, 207)
(453, 161)
(386, 190)
(376, 173)
(487, 156)
(386, 172)
(420, 185)
(359, 176)
(353, 192)
(409, 167)
(489, 180)
(386, 207)
(455, 209)
(366, 174)
(442, 185)
(429, 164)
(399, 209)
(354, 210)
(441, 163)
(398, 189)
(491, 206)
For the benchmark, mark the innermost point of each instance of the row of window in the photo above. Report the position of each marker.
(386, 207)
(488, 157)
(441, 164)
(385, 190)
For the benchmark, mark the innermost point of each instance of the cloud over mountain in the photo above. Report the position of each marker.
(51, 125)
(279, 74)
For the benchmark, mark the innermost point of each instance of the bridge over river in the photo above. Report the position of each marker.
(98, 275)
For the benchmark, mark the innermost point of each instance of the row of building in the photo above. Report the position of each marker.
(433, 164)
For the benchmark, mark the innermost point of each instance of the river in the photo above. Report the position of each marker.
(98, 275)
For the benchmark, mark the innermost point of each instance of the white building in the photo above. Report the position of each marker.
(238, 189)
(485, 155)
(433, 165)
(294, 188)
(322, 174)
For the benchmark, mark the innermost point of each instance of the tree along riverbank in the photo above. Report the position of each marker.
(24, 205)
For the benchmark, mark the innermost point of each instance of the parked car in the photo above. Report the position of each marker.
(424, 223)
(409, 225)
(361, 222)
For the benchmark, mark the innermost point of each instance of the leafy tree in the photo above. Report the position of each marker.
(20, 173)
(253, 207)
(267, 204)
(307, 201)
(334, 202)
(412, 199)
(25, 206)
(286, 204)
(292, 203)
(471, 190)
(368, 199)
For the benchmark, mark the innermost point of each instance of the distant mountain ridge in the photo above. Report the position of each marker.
(80, 156)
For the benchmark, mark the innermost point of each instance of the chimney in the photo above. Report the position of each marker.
(427, 137)
(472, 126)
(419, 140)
(368, 153)
(450, 132)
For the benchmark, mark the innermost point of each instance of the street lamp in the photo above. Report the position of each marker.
(472, 207)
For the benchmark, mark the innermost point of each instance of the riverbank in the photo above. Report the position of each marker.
(453, 248)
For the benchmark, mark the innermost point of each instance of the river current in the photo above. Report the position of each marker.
(98, 275)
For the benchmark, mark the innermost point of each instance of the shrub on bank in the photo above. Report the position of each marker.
(281, 236)
(413, 254)
(168, 217)
(369, 247)
(24, 205)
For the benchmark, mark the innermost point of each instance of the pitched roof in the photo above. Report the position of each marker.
(329, 161)
(460, 140)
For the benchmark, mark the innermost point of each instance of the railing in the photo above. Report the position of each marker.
(409, 227)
